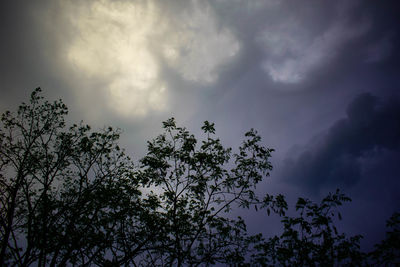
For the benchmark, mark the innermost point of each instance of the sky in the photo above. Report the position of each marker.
(319, 80)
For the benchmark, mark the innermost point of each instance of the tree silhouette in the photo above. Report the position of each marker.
(65, 192)
(70, 196)
(387, 253)
(311, 238)
(193, 187)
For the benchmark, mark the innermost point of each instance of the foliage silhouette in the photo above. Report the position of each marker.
(70, 196)
(387, 253)
(311, 238)
(65, 192)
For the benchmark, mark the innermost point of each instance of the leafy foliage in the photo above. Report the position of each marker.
(66, 193)
(193, 187)
(71, 196)
(311, 238)
(387, 252)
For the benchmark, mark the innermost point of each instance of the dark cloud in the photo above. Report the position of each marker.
(337, 157)
(358, 154)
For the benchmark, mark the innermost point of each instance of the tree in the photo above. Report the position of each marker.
(71, 196)
(194, 189)
(65, 192)
(387, 252)
(312, 239)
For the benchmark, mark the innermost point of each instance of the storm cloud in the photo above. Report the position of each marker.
(340, 156)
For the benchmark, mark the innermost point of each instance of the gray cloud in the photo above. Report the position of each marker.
(380, 50)
(294, 48)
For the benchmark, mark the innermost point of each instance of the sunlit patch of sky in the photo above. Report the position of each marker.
(117, 41)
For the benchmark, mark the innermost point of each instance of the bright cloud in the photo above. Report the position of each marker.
(118, 42)
(198, 48)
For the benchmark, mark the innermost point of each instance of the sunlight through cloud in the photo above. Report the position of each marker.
(118, 42)
(111, 44)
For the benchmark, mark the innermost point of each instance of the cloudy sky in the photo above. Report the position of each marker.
(318, 79)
